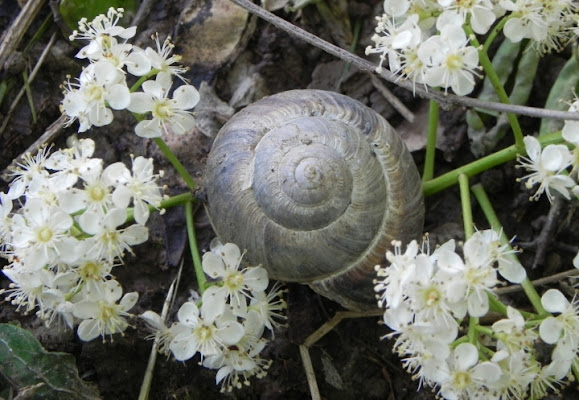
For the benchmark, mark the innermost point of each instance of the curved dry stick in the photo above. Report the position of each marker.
(446, 100)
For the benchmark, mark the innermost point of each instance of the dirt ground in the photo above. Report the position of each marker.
(350, 362)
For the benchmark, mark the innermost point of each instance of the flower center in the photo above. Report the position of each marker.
(432, 296)
(44, 234)
(204, 333)
(461, 380)
(90, 270)
(234, 281)
(454, 62)
(163, 110)
(95, 93)
(97, 193)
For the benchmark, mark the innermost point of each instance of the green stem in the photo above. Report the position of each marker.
(494, 32)
(143, 79)
(496, 82)
(485, 330)
(500, 157)
(197, 264)
(466, 206)
(175, 162)
(177, 200)
(473, 322)
(496, 305)
(433, 112)
(493, 220)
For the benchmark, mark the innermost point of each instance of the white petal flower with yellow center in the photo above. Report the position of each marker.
(101, 85)
(451, 61)
(169, 115)
(140, 186)
(101, 33)
(40, 235)
(546, 167)
(233, 284)
(108, 241)
(466, 377)
(563, 329)
(204, 335)
(101, 314)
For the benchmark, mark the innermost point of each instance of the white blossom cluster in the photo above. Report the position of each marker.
(427, 296)
(424, 40)
(63, 227)
(102, 85)
(227, 328)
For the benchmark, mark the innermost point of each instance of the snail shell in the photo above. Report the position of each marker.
(315, 185)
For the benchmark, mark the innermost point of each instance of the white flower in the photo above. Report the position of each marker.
(95, 196)
(512, 332)
(519, 370)
(204, 335)
(452, 63)
(29, 175)
(423, 350)
(108, 241)
(100, 32)
(485, 247)
(546, 167)
(26, 287)
(140, 186)
(41, 235)
(157, 325)
(269, 307)
(481, 15)
(397, 275)
(466, 377)
(237, 285)
(101, 314)
(398, 42)
(565, 325)
(100, 84)
(169, 115)
(433, 295)
(237, 363)
(162, 60)
(528, 22)
(474, 278)
(71, 163)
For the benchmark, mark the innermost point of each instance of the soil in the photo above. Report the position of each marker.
(351, 362)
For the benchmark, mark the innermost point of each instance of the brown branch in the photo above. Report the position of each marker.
(446, 100)
(11, 38)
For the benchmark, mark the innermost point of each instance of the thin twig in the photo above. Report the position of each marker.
(391, 99)
(167, 306)
(446, 100)
(572, 273)
(39, 63)
(47, 137)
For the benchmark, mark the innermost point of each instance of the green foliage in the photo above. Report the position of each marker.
(561, 94)
(36, 373)
(73, 10)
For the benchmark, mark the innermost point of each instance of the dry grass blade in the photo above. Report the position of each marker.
(12, 37)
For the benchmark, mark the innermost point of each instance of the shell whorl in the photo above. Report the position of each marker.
(315, 186)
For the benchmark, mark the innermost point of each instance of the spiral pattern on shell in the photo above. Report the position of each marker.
(315, 186)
